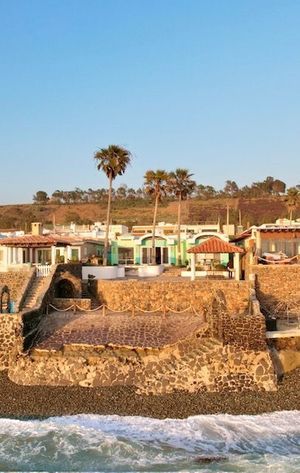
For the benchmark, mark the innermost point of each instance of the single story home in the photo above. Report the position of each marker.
(45, 250)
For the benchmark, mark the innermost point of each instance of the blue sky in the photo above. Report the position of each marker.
(209, 85)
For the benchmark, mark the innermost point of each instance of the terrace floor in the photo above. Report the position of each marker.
(95, 329)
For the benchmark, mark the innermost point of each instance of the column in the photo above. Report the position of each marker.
(53, 254)
(68, 254)
(236, 266)
(193, 266)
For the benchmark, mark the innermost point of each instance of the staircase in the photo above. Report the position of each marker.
(85, 294)
(33, 294)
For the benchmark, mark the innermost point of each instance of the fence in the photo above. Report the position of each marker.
(43, 270)
(104, 309)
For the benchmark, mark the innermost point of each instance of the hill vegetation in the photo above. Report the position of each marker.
(140, 212)
(260, 202)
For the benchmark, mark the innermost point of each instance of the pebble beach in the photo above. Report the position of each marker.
(45, 401)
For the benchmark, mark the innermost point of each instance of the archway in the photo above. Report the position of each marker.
(4, 300)
(161, 250)
(65, 289)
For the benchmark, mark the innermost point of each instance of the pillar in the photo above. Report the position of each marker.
(237, 266)
(53, 254)
(258, 243)
(193, 266)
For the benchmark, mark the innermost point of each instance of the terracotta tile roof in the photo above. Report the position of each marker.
(34, 241)
(242, 236)
(27, 240)
(215, 245)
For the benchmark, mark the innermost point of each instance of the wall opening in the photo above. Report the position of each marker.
(65, 289)
(4, 300)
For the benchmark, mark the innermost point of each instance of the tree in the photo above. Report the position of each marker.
(41, 197)
(206, 192)
(121, 192)
(278, 187)
(231, 188)
(113, 161)
(181, 186)
(57, 197)
(292, 200)
(156, 187)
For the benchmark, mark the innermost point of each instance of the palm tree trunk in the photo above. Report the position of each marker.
(178, 231)
(105, 254)
(153, 256)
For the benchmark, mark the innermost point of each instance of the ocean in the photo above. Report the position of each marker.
(205, 443)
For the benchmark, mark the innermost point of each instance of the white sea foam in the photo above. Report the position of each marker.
(255, 444)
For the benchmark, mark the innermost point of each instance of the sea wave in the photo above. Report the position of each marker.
(212, 443)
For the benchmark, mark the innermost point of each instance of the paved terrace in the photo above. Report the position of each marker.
(94, 328)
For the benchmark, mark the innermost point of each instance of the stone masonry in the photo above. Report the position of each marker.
(219, 347)
(175, 294)
(192, 364)
(277, 283)
(10, 337)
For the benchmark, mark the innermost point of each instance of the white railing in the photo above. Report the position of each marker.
(43, 270)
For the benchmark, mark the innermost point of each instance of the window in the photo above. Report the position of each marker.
(74, 254)
(126, 256)
(44, 256)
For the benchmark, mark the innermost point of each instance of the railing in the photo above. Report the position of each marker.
(133, 309)
(43, 270)
(126, 261)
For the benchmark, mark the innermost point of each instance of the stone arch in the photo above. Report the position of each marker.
(65, 289)
(145, 238)
(4, 299)
(66, 285)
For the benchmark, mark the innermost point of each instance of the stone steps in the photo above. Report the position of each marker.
(33, 293)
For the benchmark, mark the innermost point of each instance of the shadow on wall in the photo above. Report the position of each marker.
(5, 305)
(64, 289)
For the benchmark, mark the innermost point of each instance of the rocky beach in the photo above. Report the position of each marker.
(43, 401)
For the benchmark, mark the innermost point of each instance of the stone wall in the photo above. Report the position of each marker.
(199, 363)
(245, 331)
(10, 335)
(277, 283)
(17, 282)
(71, 272)
(228, 353)
(177, 295)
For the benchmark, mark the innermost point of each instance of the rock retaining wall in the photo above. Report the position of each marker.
(277, 283)
(178, 295)
(10, 337)
(199, 363)
(17, 282)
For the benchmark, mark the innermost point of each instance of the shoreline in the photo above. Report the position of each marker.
(48, 401)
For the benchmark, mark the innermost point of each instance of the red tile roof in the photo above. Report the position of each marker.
(34, 241)
(27, 240)
(215, 245)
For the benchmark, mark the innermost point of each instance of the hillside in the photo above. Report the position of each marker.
(137, 212)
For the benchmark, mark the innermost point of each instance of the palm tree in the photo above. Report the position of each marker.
(113, 161)
(181, 185)
(156, 187)
(292, 200)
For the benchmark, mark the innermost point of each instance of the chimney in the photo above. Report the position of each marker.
(37, 228)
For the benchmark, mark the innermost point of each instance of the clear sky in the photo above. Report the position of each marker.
(211, 85)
